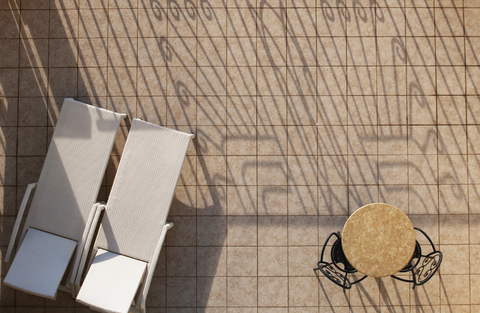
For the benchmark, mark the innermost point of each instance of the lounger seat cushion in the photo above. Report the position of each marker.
(40, 263)
(111, 282)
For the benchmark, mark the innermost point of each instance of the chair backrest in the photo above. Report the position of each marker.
(143, 190)
(73, 169)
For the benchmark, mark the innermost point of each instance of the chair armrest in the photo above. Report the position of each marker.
(21, 211)
(140, 303)
(75, 279)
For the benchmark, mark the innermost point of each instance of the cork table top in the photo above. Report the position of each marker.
(378, 240)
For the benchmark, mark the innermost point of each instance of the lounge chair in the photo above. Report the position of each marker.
(63, 204)
(133, 225)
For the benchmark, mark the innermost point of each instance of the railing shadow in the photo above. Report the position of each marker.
(301, 114)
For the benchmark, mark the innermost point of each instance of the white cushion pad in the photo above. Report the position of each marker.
(111, 282)
(40, 263)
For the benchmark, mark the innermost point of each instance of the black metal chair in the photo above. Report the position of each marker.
(339, 268)
(422, 267)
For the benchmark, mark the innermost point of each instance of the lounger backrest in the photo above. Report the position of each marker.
(143, 190)
(73, 169)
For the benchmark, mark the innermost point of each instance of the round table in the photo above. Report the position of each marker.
(378, 240)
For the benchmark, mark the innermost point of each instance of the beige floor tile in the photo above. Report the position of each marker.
(423, 199)
(455, 260)
(332, 81)
(242, 261)
(422, 110)
(450, 80)
(272, 140)
(473, 113)
(303, 291)
(363, 170)
(273, 261)
(450, 51)
(241, 170)
(331, 22)
(394, 292)
(419, 19)
(396, 195)
(453, 229)
(272, 200)
(331, 51)
(332, 110)
(272, 170)
(271, 81)
(273, 291)
(211, 261)
(211, 231)
(391, 80)
(360, 195)
(272, 110)
(471, 23)
(302, 230)
(301, 80)
(240, 81)
(422, 140)
(302, 260)
(392, 110)
(211, 291)
(427, 295)
(211, 23)
(421, 51)
(452, 169)
(174, 51)
(391, 51)
(302, 110)
(241, 111)
(473, 80)
(332, 200)
(421, 81)
(301, 51)
(365, 293)
(302, 170)
(241, 51)
(301, 22)
(272, 230)
(361, 51)
(241, 22)
(393, 169)
(332, 170)
(393, 22)
(422, 169)
(241, 200)
(454, 289)
(242, 292)
(242, 231)
(453, 199)
(181, 291)
(302, 140)
(241, 140)
(328, 225)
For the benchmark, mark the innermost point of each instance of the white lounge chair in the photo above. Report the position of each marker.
(134, 226)
(63, 205)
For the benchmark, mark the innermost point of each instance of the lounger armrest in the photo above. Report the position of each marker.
(83, 247)
(21, 211)
(146, 285)
(76, 279)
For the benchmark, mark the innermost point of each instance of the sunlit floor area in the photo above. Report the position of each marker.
(303, 111)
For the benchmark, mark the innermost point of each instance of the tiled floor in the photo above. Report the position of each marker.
(303, 111)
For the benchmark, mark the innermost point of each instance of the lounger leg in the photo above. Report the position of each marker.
(21, 211)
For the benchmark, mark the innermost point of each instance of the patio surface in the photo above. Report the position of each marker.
(303, 112)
